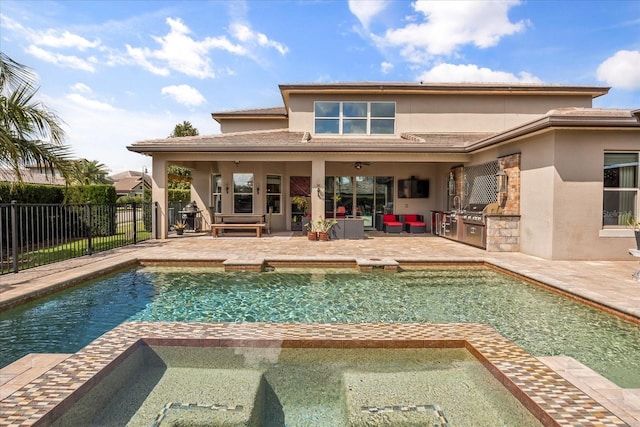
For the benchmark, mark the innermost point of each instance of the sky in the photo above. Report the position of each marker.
(117, 72)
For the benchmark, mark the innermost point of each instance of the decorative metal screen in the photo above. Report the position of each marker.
(480, 184)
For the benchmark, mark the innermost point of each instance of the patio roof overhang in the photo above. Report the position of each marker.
(566, 118)
(421, 145)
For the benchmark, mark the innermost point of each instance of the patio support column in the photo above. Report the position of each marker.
(317, 189)
(159, 194)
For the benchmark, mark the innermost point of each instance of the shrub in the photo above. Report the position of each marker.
(31, 193)
(103, 219)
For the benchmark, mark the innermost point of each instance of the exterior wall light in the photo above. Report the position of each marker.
(452, 184)
(503, 181)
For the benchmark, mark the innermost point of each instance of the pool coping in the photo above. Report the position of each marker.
(548, 396)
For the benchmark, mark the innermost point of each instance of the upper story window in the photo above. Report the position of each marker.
(355, 118)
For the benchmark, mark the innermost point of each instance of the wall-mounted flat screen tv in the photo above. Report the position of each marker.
(413, 188)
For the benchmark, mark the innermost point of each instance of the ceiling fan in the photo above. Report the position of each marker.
(358, 165)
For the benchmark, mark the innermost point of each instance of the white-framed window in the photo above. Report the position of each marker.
(243, 193)
(621, 198)
(216, 193)
(354, 118)
(274, 194)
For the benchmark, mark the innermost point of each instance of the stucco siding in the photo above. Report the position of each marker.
(579, 159)
(230, 126)
(444, 113)
(537, 194)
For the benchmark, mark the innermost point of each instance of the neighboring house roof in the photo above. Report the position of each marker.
(126, 185)
(31, 176)
(126, 174)
(125, 182)
(282, 140)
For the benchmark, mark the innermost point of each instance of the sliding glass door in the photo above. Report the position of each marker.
(358, 196)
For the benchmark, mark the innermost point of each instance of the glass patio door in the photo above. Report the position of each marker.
(365, 199)
(359, 196)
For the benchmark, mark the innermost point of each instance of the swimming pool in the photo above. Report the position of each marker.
(159, 385)
(541, 322)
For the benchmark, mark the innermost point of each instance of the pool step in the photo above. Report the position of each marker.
(244, 264)
(24, 370)
(624, 402)
(387, 264)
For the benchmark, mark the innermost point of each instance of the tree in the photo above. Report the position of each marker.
(30, 133)
(184, 129)
(180, 177)
(87, 172)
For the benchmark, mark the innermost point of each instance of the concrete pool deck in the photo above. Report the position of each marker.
(609, 283)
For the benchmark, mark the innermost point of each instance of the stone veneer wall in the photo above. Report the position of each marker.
(510, 202)
(503, 233)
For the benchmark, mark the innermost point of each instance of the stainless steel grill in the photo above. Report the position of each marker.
(474, 214)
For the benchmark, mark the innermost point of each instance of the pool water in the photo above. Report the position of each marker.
(540, 321)
(299, 387)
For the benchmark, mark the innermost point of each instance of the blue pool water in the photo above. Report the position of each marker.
(541, 322)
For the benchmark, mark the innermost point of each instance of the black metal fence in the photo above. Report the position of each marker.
(38, 234)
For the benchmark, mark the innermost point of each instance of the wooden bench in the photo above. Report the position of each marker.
(258, 227)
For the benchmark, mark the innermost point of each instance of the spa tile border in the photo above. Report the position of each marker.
(552, 399)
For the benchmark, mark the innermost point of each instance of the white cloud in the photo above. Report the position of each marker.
(622, 70)
(53, 38)
(245, 34)
(386, 67)
(473, 73)
(448, 25)
(184, 94)
(139, 57)
(90, 104)
(10, 24)
(180, 52)
(81, 87)
(69, 61)
(365, 10)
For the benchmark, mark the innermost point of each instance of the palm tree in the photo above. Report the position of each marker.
(30, 133)
(184, 129)
(87, 172)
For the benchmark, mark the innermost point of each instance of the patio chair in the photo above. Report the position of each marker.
(414, 224)
(390, 224)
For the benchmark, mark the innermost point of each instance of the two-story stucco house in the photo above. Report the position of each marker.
(561, 177)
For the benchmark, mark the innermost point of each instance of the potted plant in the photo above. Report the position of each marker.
(179, 227)
(323, 226)
(301, 205)
(634, 224)
(312, 234)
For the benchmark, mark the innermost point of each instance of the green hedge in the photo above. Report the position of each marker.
(31, 193)
(130, 199)
(95, 194)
